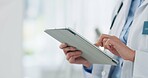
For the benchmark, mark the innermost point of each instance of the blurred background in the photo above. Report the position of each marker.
(28, 52)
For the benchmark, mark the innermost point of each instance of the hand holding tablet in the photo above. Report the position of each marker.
(89, 51)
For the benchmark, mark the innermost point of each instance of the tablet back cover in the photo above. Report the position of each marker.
(90, 52)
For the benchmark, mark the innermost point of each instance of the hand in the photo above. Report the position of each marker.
(117, 47)
(102, 42)
(73, 55)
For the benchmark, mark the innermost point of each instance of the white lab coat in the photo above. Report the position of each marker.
(136, 41)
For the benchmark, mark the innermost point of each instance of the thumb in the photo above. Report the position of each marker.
(100, 40)
(98, 43)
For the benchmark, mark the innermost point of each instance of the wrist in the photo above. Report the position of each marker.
(132, 56)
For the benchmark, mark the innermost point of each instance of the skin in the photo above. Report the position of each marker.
(112, 43)
(73, 55)
(116, 46)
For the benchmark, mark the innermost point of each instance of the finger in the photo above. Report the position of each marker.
(72, 60)
(76, 59)
(99, 42)
(76, 56)
(108, 45)
(63, 45)
(81, 60)
(67, 49)
(104, 41)
(70, 54)
(116, 42)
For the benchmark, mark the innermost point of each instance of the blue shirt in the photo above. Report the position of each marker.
(115, 72)
(124, 34)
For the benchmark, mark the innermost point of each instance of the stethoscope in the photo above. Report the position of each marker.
(116, 15)
(112, 23)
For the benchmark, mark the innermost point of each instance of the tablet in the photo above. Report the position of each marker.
(89, 51)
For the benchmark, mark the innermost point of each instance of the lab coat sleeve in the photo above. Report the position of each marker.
(140, 65)
(87, 75)
(96, 72)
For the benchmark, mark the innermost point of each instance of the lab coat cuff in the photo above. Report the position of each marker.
(99, 71)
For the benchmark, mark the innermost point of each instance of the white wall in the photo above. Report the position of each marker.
(11, 39)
